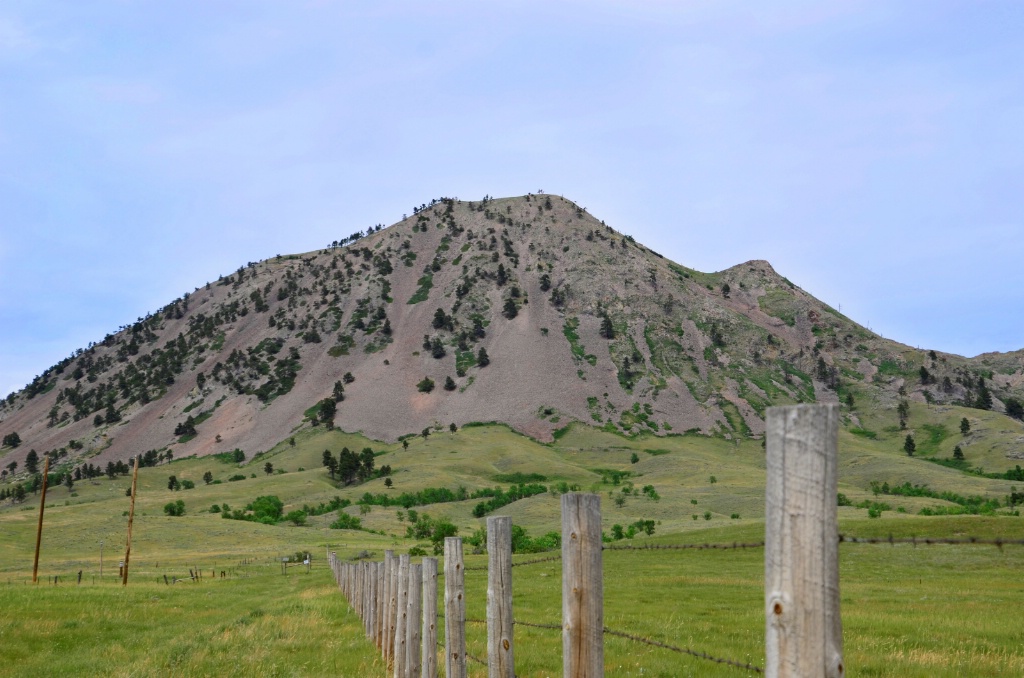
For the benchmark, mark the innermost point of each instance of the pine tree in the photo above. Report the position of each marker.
(449, 384)
(482, 359)
(32, 462)
(984, 401)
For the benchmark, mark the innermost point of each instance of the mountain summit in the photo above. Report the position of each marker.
(525, 310)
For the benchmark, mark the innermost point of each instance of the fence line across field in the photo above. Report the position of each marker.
(397, 600)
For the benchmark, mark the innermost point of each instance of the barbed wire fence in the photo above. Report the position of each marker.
(397, 600)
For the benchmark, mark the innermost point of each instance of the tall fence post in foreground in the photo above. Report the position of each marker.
(582, 587)
(500, 659)
(454, 609)
(428, 658)
(804, 632)
(414, 622)
(401, 615)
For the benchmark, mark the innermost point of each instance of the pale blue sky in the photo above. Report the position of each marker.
(872, 151)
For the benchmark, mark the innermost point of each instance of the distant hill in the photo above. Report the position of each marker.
(578, 321)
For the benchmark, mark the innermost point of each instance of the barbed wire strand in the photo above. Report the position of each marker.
(685, 547)
(931, 541)
(685, 650)
(549, 559)
(476, 659)
(468, 655)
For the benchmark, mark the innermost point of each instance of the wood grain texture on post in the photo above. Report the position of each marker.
(393, 611)
(804, 632)
(378, 632)
(388, 602)
(414, 623)
(454, 609)
(401, 615)
(500, 656)
(371, 607)
(428, 657)
(582, 587)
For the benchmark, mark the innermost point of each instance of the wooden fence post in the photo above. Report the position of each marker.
(804, 631)
(401, 615)
(385, 640)
(454, 609)
(582, 587)
(39, 530)
(428, 658)
(393, 613)
(500, 658)
(360, 598)
(131, 518)
(414, 622)
(371, 611)
(378, 631)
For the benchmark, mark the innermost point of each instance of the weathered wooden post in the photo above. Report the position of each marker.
(386, 642)
(358, 592)
(500, 658)
(378, 630)
(428, 657)
(414, 622)
(804, 631)
(131, 518)
(582, 587)
(401, 615)
(454, 609)
(371, 626)
(39, 530)
(393, 612)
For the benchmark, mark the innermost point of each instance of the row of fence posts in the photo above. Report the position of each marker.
(397, 599)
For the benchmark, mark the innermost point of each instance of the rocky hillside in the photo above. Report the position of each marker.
(527, 311)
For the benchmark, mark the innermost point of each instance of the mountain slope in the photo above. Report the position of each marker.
(579, 322)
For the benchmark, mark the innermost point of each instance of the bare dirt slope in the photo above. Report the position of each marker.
(579, 322)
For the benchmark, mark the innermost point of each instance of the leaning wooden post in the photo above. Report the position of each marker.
(401, 614)
(582, 587)
(500, 660)
(131, 518)
(428, 657)
(454, 609)
(414, 623)
(39, 530)
(804, 631)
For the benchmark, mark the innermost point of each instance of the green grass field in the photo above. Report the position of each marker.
(924, 611)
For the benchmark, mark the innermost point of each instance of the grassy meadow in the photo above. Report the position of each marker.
(924, 611)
